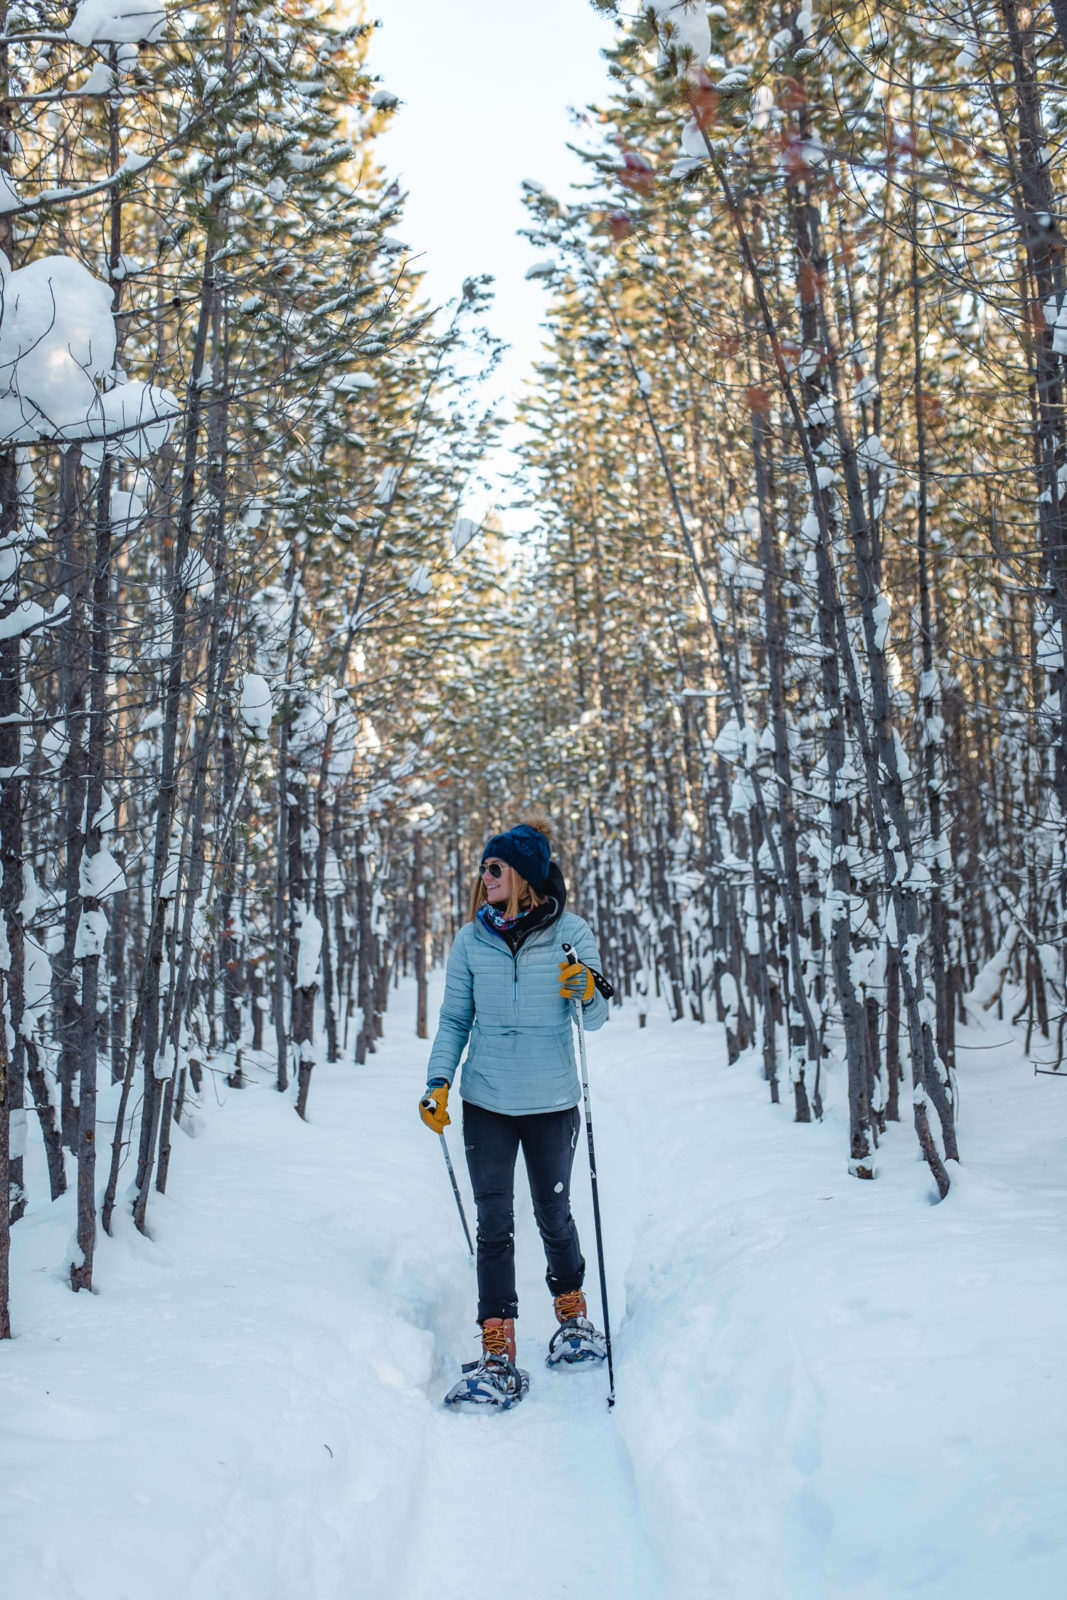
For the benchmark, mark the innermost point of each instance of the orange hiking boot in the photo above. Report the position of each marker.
(568, 1307)
(498, 1337)
(495, 1380)
(575, 1339)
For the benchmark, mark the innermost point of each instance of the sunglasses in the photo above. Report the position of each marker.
(491, 869)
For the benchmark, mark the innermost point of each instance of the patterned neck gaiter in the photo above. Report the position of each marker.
(498, 922)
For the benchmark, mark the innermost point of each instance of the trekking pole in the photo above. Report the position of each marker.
(568, 951)
(430, 1104)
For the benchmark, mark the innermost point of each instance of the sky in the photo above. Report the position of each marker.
(485, 86)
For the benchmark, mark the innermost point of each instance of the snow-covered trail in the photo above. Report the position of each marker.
(825, 1389)
(544, 1507)
(542, 1501)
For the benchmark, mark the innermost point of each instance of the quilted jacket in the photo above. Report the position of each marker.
(520, 1058)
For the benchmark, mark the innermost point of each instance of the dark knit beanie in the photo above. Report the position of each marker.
(527, 850)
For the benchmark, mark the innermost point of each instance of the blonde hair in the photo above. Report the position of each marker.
(522, 896)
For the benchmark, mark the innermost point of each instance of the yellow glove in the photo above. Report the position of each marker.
(433, 1107)
(575, 981)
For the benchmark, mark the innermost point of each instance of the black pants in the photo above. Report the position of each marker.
(492, 1142)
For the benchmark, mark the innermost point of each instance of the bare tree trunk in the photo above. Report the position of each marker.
(419, 919)
(364, 992)
(93, 924)
(11, 840)
(933, 723)
(119, 912)
(5, 1187)
(281, 937)
(72, 577)
(231, 951)
(46, 1115)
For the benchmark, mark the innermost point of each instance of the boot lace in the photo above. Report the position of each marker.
(569, 1306)
(495, 1339)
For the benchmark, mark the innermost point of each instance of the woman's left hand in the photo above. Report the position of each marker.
(575, 981)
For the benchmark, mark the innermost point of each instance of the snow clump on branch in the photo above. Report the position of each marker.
(257, 707)
(683, 27)
(117, 22)
(57, 344)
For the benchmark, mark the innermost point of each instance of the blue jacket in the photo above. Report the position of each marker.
(521, 1055)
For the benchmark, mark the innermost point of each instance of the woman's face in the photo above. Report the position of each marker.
(497, 890)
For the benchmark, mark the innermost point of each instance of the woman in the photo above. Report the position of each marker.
(510, 994)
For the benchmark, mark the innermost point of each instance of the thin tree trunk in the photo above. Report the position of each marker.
(420, 934)
(5, 1174)
(46, 1116)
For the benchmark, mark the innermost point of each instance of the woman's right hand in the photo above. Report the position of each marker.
(433, 1107)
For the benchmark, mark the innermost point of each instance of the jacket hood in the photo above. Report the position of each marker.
(555, 886)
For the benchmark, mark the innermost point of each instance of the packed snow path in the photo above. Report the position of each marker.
(825, 1388)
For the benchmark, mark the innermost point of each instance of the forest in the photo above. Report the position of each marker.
(783, 659)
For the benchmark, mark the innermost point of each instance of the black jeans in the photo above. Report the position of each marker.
(492, 1142)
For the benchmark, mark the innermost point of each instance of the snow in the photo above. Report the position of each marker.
(172, 873)
(101, 80)
(463, 531)
(57, 344)
(135, 418)
(386, 487)
(729, 742)
(827, 1390)
(91, 935)
(684, 25)
(37, 984)
(198, 575)
(881, 613)
(1050, 648)
(334, 877)
(28, 616)
(257, 707)
(1058, 319)
(100, 875)
(127, 512)
(57, 341)
(309, 950)
(761, 108)
(117, 22)
(872, 454)
(343, 748)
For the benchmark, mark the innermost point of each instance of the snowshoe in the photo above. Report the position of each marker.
(495, 1380)
(575, 1341)
(492, 1381)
